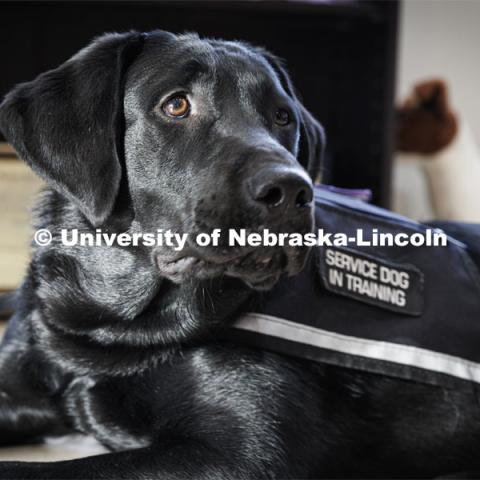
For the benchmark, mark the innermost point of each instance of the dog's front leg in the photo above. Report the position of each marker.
(25, 417)
(27, 410)
(182, 460)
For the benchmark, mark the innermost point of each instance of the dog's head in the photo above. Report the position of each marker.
(182, 133)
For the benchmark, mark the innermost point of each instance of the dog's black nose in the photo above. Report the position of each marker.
(286, 187)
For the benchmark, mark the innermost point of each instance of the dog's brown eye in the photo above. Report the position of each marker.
(282, 117)
(177, 106)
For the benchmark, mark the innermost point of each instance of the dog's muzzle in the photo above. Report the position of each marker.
(278, 198)
(281, 192)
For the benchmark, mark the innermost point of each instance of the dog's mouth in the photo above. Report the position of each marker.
(259, 268)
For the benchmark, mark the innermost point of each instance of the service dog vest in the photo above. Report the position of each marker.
(411, 312)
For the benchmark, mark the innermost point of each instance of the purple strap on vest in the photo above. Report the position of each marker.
(363, 194)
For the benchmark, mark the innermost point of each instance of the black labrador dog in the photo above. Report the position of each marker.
(144, 131)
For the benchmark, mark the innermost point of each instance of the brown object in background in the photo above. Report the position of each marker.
(18, 187)
(6, 151)
(425, 123)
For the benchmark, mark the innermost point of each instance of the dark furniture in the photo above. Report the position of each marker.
(341, 55)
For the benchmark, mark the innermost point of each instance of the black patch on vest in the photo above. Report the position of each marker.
(373, 280)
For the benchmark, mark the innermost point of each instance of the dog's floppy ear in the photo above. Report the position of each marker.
(312, 135)
(65, 123)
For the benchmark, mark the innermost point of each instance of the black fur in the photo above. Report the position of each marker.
(121, 343)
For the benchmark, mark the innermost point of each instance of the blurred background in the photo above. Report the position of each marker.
(394, 83)
(441, 38)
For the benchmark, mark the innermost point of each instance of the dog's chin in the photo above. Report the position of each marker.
(259, 269)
